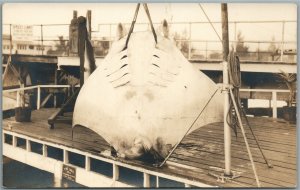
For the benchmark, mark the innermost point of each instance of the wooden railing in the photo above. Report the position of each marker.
(274, 97)
(208, 47)
(39, 87)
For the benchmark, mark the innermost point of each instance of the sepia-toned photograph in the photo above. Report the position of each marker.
(149, 95)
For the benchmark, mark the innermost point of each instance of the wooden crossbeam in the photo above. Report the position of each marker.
(54, 118)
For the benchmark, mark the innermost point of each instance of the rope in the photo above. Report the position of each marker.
(188, 129)
(245, 138)
(134, 21)
(235, 79)
(151, 24)
(132, 25)
(210, 23)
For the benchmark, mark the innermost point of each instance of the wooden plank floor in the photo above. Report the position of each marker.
(199, 154)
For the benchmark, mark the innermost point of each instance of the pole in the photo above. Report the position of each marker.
(235, 39)
(282, 42)
(38, 103)
(81, 45)
(10, 41)
(225, 36)
(227, 130)
(54, 94)
(42, 39)
(88, 23)
(87, 62)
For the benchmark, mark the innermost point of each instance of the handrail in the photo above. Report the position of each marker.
(273, 91)
(45, 40)
(34, 87)
(195, 22)
(262, 90)
(37, 86)
(67, 86)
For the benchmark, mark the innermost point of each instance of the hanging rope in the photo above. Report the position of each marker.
(235, 80)
(134, 21)
(132, 25)
(149, 18)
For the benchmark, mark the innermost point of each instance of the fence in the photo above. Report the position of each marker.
(274, 99)
(274, 93)
(39, 104)
(190, 37)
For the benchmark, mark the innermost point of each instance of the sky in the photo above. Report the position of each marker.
(61, 13)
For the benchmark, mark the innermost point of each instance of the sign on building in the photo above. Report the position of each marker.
(22, 32)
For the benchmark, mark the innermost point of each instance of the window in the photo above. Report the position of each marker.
(21, 46)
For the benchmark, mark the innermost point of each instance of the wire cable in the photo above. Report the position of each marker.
(210, 22)
(188, 128)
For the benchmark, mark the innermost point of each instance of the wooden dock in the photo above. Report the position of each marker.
(198, 157)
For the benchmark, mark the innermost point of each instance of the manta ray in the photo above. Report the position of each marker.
(143, 99)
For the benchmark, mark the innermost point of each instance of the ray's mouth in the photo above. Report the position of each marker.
(153, 155)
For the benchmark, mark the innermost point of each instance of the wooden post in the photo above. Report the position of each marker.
(57, 181)
(87, 68)
(187, 185)
(225, 36)
(45, 153)
(274, 107)
(115, 172)
(73, 35)
(54, 94)
(14, 141)
(87, 163)
(66, 157)
(28, 145)
(235, 40)
(38, 102)
(82, 32)
(42, 39)
(227, 129)
(157, 182)
(18, 99)
(282, 42)
(10, 41)
(88, 24)
(258, 46)
(146, 180)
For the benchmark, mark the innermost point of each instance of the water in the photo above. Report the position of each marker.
(19, 175)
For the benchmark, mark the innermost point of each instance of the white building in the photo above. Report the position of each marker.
(23, 47)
